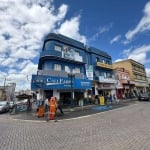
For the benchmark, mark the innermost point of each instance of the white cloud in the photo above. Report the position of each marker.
(23, 25)
(148, 72)
(115, 39)
(138, 54)
(71, 29)
(143, 25)
(101, 30)
(118, 60)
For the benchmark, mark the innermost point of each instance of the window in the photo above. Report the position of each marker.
(77, 70)
(67, 69)
(47, 45)
(127, 77)
(57, 67)
(97, 59)
(105, 75)
(57, 48)
(109, 75)
(107, 61)
(77, 53)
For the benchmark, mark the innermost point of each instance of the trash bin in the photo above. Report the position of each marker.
(101, 100)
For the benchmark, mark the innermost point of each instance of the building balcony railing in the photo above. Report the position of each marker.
(107, 80)
(67, 56)
(100, 64)
(59, 73)
(127, 81)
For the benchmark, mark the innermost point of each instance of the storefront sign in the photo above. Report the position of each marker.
(141, 84)
(50, 82)
(106, 86)
(107, 80)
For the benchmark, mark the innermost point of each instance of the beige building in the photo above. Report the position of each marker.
(1, 92)
(137, 74)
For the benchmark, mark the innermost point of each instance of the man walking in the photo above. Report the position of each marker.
(59, 106)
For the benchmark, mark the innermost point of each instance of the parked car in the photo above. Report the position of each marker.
(143, 97)
(4, 106)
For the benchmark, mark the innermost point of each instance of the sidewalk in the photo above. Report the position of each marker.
(75, 112)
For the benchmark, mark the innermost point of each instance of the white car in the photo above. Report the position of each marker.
(4, 106)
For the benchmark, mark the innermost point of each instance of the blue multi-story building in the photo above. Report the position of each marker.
(68, 69)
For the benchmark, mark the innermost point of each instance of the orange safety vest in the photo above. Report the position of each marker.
(53, 107)
(40, 112)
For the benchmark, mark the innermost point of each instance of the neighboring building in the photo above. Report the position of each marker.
(1, 92)
(148, 78)
(103, 81)
(67, 69)
(123, 80)
(138, 80)
(7, 92)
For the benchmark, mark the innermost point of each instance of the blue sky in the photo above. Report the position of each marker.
(121, 28)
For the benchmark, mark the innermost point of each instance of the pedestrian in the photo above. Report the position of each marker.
(40, 112)
(52, 109)
(96, 100)
(89, 99)
(115, 99)
(81, 102)
(110, 98)
(106, 99)
(46, 104)
(59, 106)
(29, 105)
(37, 99)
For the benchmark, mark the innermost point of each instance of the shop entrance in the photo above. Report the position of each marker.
(77, 97)
(65, 98)
(104, 92)
(48, 93)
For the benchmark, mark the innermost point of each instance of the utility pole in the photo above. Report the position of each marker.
(4, 92)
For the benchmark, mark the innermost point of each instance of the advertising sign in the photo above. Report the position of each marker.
(89, 72)
(70, 53)
(50, 82)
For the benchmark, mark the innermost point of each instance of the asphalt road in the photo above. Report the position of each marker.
(124, 128)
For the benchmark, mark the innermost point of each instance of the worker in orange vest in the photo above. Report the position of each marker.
(52, 109)
(40, 111)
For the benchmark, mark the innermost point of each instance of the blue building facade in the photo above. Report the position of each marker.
(68, 69)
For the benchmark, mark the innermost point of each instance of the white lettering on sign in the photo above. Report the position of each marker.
(60, 81)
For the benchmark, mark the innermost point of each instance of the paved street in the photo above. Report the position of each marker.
(124, 128)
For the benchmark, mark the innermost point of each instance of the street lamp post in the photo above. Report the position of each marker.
(71, 76)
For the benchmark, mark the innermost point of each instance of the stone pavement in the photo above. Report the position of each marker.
(126, 128)
(70, 113)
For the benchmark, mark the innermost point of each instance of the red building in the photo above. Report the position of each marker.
(125, 86)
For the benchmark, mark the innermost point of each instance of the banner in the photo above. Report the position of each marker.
(89, 72)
